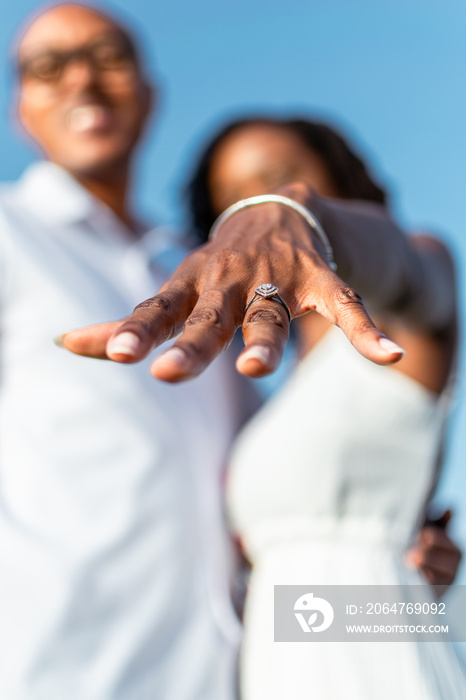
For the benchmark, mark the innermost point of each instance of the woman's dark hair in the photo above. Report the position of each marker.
(347, 171)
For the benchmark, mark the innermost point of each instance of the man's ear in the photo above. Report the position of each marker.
(19, 119)
(19, 113)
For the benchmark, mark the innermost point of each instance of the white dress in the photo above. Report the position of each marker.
(328, 484)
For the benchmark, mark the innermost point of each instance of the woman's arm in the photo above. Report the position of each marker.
(206, 297)
(410, 276)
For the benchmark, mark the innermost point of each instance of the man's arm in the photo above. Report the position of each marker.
(205, 298)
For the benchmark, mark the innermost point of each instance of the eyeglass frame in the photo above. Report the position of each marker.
(78, 54)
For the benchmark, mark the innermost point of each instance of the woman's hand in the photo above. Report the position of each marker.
(205, 300)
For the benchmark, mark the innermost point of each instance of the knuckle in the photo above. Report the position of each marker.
(346, 296)
(160, 302)
(267, 315)
(156, 313)
(349, 307)
(222, 306)
(213, 326)
(206, 317)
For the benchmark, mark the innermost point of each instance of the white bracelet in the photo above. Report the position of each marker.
(265, 199)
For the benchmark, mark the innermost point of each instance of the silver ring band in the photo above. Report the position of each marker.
(270, 292)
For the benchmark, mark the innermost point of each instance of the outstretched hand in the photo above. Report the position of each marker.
(204, 302)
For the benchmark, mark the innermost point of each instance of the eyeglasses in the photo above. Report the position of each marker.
(106, 56)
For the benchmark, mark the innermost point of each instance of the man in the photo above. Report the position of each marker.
(114, 565)
(114, 572)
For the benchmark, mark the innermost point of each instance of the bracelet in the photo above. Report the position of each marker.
(279, 199)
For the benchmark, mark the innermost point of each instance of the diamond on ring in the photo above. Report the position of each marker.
(266, 290)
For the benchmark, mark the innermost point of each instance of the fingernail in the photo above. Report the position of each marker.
(58, 340)
(258, 352)
(172, 356)
(124, 344)
(390, 346)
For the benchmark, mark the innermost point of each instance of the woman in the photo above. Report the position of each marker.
(339, 503)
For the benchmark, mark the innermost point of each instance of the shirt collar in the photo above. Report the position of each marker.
(52, 195)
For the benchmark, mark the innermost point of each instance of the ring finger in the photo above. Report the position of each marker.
(266, 328)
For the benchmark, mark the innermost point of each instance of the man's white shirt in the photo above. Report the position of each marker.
(113, 557)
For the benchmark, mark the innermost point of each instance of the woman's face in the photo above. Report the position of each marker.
(257, 159)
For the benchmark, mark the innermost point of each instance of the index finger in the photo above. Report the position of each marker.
(152, 322)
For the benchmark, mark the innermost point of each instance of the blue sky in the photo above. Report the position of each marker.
(389, 73)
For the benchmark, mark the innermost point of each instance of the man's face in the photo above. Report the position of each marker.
(82, 97)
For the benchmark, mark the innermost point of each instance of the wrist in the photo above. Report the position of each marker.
(288, 203)
(304, 194)
(322, 209)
